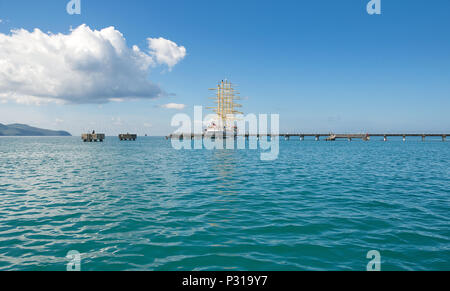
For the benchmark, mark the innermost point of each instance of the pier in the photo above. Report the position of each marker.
(317, 136)
(93, 137)
(223, 127)
(127, 136)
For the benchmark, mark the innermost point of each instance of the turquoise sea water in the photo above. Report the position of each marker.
(145, 206)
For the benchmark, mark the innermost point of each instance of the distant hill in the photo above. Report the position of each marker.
(25, 130)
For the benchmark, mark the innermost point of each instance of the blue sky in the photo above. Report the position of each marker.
(322, 65)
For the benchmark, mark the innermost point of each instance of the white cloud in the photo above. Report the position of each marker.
(174, 106)
(83, 66)
(166, 51)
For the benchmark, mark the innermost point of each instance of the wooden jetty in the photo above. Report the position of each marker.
(93, 137)
(316, 136)
(128, 136)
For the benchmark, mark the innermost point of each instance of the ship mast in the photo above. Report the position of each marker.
(226, 107)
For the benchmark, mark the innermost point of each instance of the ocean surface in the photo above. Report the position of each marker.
(146, 206)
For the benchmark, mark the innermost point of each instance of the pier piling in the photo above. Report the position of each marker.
(127, 136)
(93, 137)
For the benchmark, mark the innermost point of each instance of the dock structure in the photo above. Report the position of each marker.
(316, 136)
(349, 137)
(93, 137)
(128, 136)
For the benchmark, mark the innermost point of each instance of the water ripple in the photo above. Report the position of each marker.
(145, 206)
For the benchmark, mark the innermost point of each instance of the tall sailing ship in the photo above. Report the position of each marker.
(225, 109)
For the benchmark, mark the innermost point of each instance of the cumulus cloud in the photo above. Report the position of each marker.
(83, 66)
(174, 106)
(166, 51)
